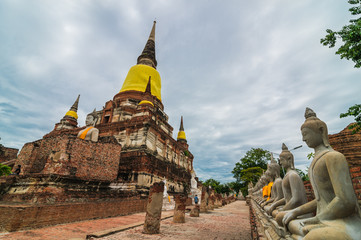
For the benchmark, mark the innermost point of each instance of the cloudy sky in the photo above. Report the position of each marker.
(240, 72)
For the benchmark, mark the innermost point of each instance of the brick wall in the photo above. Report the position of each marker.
(349, 145)
(66, 155)
(356, 180)
(19, 217)
(309, 191)
(8, 154)
(145, 161)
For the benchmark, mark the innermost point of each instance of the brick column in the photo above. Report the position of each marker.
(204, 200)
(154, 209)
(210, 202)
(195, 211)
(180, 207)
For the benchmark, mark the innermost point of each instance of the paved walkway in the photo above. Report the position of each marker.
(228, 222)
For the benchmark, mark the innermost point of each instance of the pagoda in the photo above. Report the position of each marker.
(136, 118)
(65, 178)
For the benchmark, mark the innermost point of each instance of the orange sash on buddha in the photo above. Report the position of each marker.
(82, 136)
(269, 190)
(265, 191)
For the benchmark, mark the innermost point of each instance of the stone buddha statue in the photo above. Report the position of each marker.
(335, 203)
(90, 132)
(267, 187)
(276, 192)
(257, 190)
(292, 188)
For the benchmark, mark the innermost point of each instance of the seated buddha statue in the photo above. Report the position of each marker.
(276, 191)
(258, 189)
(267, 187)
(90, 132)
(335, 203)
(292, 186)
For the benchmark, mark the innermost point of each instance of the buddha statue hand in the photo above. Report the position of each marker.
(309, 221)
(270, 210)
(289, 217)
(310, 224)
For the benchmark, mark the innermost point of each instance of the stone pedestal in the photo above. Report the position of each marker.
(179, 210)
(204, 200)
(195, 211)
(210, 203)
(154, 209)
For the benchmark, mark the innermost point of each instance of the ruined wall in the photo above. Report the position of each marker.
(144, 161)
(8, 154)
(309, 191)
(349, 145)
(66, 155)
(15, 217)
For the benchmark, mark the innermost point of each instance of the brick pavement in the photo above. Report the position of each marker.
(228, 222)
(79, 230)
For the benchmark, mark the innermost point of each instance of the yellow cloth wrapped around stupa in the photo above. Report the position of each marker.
(138, 78)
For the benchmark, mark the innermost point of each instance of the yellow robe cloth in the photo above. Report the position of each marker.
(269, 190)
(82, 136)
(265, 191)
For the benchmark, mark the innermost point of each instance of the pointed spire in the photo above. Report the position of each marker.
(75, 105)
(74, 109)
(181, 133)
(181, 128)
(148, 88)
(152, 32)
(148, 55)
(69, 121)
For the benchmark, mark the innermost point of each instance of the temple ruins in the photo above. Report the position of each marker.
(106, 168)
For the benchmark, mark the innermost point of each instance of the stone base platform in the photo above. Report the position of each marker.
(264, 226)
(15, 217)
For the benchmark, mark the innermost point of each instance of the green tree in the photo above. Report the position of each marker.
(354, 111)
(250, 168)
(303, 175)
(235, 186)
(350, 35)
(211, 182)
(4, 170)
(217, 186)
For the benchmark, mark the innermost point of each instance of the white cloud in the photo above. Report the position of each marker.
(241, 72)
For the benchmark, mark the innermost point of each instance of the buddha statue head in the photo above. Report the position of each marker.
(318, 129)
(91, 119)
(274, 168)
(286, 158)
(269, 174)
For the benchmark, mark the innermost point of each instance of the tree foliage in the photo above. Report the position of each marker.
(354, 111)
(235, 186)
(350, 35)
(4, 170)
(250, 167)
(217, 186)
(303, 175)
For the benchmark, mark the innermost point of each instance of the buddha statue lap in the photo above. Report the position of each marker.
(335, 203)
